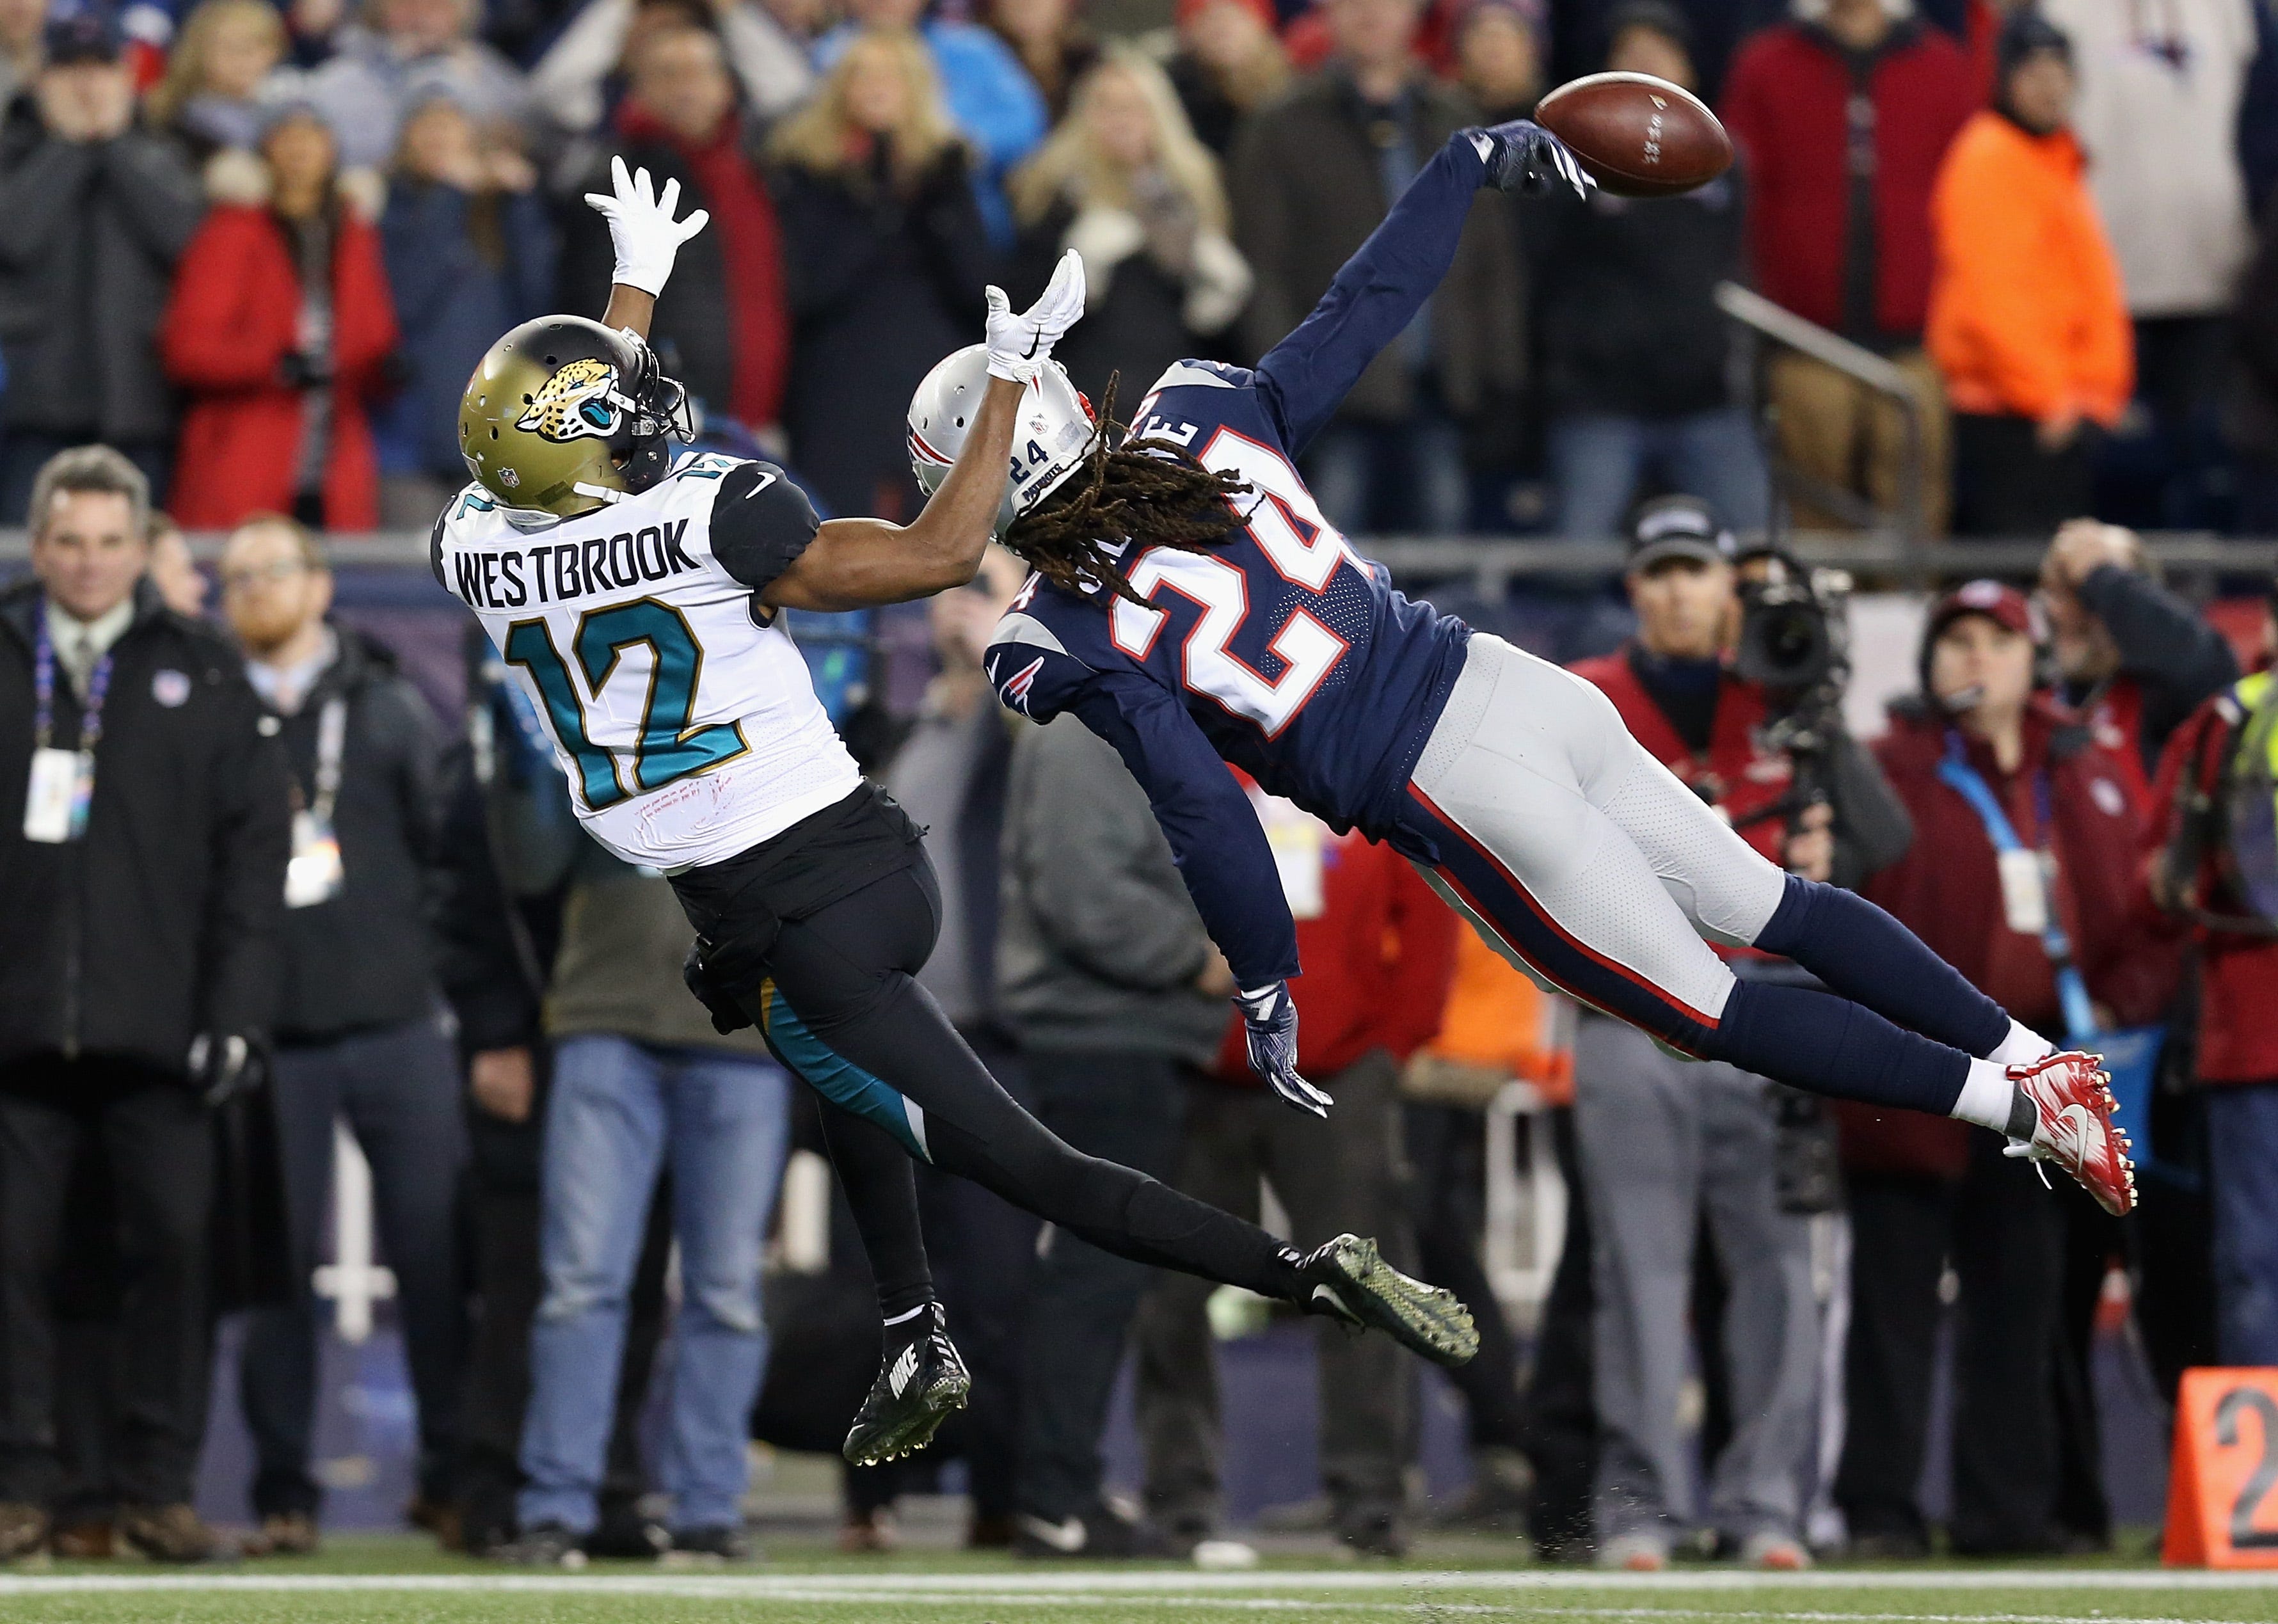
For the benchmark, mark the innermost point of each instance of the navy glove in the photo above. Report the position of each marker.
(1269, 1025)
(728, 1015)
(1522, 157)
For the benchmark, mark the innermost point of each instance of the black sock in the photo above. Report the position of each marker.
(882, 1193)
(2023, 1117)
(907, 1325)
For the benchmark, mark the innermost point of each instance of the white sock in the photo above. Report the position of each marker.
(2021, 1047)
(1986, 1096)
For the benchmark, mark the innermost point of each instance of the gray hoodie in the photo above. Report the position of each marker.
(1099, 945)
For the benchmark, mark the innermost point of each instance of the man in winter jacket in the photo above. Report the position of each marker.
(1312, 174)
(2160, 115)
(359, 1037)
(98, 211)
(1636, 357)
(726, 330)
(1665, 1143)
(142, 881)
(1116, 997)
(2027, 321)
(1380, 951)
(1842, 116)
(1921, 1194)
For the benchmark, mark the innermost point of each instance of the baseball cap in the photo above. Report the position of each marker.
(91, 34)
(2004, 606)
(1677, 528)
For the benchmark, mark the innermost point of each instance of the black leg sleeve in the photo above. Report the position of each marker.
(882, 1191)
(847, 973)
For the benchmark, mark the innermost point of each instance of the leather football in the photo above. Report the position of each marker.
(1639, 137)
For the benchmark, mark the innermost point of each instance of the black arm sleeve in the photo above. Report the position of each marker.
(761, 524)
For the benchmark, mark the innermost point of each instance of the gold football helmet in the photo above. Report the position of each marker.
(564, 414)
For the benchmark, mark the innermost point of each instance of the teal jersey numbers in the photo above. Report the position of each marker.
(667, 747)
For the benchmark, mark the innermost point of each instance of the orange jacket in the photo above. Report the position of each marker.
(2026, 313)
(1496, 1018)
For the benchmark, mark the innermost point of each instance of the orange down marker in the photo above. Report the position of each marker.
(2222, 1487)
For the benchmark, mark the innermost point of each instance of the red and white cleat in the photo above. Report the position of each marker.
(2072, 1096)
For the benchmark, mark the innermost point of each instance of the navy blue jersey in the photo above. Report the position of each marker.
(1281, 650)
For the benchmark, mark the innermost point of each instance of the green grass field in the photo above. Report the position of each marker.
(399, 1582)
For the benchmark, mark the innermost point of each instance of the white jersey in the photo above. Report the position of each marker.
(689, 731)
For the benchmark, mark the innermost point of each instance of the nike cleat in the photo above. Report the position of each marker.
(2072, 1101)
(1348, 1280)
(915, 1391)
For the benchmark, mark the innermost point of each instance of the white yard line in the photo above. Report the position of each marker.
(1075, 1584)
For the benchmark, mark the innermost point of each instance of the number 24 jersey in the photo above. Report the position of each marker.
(685, 722)
(1292, 655)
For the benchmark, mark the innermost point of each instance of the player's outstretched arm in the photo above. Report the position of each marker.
(1306, 376)
(853, 563)
(645, 238)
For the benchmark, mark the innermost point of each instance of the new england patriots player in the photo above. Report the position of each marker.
(1191, 605)
(635, 599)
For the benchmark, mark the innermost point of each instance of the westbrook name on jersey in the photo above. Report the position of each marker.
(686, 723)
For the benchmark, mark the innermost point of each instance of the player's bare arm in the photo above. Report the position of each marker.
(853, 563)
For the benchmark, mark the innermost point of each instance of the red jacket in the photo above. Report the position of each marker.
(1947, 890)
(1786, 104)
(1379, 960)
(1737, 775)
(2238, 974)
(230, 322)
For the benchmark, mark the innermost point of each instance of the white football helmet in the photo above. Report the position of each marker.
(1055, 426)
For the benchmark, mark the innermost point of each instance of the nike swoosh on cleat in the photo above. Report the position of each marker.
(1065, 1537)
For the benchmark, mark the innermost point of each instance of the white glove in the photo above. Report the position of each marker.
(642, 229)
(1019, 346)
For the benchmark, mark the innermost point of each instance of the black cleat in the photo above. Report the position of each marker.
(920, 1384)
(1348, 1280)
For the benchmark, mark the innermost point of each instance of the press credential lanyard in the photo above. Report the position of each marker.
(62, 783)
(2027, 884)
(314, 872)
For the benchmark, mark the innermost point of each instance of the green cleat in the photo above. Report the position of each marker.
(1348, 1279)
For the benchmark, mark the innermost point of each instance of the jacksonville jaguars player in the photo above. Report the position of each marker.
(1191, 605)
(637, 601)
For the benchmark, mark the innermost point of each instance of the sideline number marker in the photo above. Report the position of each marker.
(2222, 1488)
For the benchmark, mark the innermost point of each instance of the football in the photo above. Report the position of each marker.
(1639, 137)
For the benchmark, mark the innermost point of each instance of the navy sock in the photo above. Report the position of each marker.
(1871, 959)
(1817, 1041)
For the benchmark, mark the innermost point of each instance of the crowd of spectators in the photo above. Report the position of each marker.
(259, 249)
(282, 921)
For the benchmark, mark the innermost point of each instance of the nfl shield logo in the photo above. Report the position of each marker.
(170, 688)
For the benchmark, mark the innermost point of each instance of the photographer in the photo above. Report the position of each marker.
(2021, 870)
(1664, 1142)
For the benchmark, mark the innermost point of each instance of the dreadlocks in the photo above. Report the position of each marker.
(1145, 492)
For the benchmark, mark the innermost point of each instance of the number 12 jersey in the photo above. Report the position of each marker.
(685, 722)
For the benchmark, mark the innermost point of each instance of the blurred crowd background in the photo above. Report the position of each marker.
(259, 249)
(363, 1017)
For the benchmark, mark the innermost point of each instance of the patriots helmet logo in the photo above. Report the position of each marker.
(580, 401)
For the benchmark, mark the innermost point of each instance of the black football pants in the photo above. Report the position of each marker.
(841, 1006)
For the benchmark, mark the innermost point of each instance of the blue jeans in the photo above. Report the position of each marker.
(618, 1111)
(2243, 1175)
(1598, 460)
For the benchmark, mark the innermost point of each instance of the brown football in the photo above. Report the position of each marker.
(1639, 137)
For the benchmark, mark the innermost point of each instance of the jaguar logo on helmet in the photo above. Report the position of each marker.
(578, 403)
